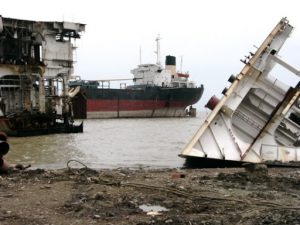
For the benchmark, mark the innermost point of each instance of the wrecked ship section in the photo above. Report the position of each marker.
(258, 118)
(36, 61)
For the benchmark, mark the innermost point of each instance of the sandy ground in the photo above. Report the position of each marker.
(167, 196)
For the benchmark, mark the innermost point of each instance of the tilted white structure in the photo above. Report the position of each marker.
(258, 118)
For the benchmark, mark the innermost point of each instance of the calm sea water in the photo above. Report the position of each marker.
(110, 143)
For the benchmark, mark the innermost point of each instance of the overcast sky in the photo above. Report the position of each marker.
(211, 36)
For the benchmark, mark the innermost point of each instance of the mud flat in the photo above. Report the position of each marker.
(144, 196)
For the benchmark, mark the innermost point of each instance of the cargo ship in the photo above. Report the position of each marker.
(257, 120)
(36, 61)
(156, 92)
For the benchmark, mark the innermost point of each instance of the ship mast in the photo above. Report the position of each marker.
(158, 50)
(140, 55)
(181, 60)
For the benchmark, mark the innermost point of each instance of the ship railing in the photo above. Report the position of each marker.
(100, 84)
(10, 86)
(107, 83)
(150, 84)
(7, 82)
(123, 85)
(184, 84)
(104, 84)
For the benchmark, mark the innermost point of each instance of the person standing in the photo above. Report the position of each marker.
(4, 148)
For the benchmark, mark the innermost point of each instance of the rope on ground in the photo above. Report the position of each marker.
(186, 194)
(182, 193)
(74, 160)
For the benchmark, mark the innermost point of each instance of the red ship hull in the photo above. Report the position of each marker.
(125, 103)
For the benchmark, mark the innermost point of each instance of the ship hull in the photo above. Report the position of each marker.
(93, 103)
(25, 126)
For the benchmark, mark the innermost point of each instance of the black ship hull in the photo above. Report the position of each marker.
(134, 102)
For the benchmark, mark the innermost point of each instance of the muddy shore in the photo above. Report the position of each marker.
(144, 196)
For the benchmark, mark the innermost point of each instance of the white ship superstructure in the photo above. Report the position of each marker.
(157, 75)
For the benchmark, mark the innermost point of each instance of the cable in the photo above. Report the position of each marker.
(74, 160)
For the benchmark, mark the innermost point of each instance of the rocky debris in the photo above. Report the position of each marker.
(125, 196)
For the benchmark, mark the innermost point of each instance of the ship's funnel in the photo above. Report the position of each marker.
(171, 64)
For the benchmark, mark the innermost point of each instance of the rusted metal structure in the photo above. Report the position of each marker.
(258, 118)
(36, 61)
